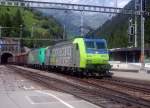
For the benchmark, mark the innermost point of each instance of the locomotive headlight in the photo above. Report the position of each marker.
(96, 52)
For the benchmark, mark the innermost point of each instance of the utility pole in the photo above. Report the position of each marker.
(0, 40)
(19, 41)
(65, 36)
(135, 28)
(20, 31)
(135, 24)
(116, 3)
(142, 37)
(32, 32)
(0, 31)
(82, 34)
(64, 33)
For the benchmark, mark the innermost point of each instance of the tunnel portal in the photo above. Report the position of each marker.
(4, 57)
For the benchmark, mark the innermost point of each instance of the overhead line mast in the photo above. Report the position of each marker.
(142, 35)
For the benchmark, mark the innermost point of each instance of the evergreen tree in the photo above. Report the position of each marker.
(7, 23)
(17, 22)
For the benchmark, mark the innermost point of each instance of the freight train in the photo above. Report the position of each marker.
(79, 56)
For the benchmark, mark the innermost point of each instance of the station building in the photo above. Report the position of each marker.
(129, 55)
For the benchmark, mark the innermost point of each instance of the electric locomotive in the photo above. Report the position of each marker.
(36, 58)
(84, 56)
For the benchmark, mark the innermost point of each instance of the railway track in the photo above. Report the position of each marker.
(139, 93)
(133, 82)
(140, 89)
(99, 92)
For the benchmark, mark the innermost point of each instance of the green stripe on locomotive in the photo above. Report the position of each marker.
(91, 60)
(41, 55)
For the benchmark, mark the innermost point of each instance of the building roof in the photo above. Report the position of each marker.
(127, 49)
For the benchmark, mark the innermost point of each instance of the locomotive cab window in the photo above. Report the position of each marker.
(90, 44)
(100, 45)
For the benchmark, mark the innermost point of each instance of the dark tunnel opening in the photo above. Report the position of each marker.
(4, 58)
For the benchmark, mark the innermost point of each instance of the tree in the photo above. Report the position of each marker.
(7, 23)
(18, 18)
(17, 22)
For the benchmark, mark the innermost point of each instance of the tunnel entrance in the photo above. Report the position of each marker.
(4, 58)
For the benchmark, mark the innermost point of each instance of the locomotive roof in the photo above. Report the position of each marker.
(69, 41)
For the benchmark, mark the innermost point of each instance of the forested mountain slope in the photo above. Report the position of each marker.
(115, 29)
(33, 24)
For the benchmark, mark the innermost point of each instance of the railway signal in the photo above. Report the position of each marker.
(131, 31)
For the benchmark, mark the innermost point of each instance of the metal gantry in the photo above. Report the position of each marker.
(68, 6)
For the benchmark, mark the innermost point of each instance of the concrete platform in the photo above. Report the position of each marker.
(131, 70)
(129, 66)
(17, 91)
(132, 75)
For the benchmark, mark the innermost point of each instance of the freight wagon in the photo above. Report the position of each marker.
(19, 59)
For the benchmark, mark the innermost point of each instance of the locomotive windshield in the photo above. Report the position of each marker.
(100, 45)
(90, 44)
(95, 44)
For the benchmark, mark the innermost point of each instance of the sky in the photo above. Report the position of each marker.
(111, 3)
